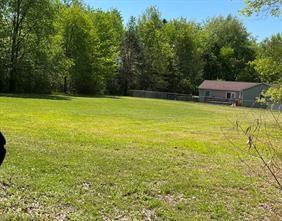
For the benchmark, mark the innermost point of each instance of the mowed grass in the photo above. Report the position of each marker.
(78, 158)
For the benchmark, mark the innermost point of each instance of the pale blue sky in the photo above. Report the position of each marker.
(197, 10)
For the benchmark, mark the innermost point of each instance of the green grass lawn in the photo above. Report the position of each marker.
(78, 158)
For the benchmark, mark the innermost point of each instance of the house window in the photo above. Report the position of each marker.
(230, 95)
(233, 95)
(207, 94)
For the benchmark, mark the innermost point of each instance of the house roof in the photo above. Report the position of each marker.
(226, 85)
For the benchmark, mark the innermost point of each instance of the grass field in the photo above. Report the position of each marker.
(78, 158)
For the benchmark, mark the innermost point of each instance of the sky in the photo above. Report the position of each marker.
(260, 27)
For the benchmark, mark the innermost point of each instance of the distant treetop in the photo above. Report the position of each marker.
(262, 7)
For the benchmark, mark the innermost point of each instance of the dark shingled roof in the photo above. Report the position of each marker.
(226, 85)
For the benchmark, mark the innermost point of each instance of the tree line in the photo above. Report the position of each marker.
(55, 45)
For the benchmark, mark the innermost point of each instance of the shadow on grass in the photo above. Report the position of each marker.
(38, 96)
(95, 96)
(55, 96)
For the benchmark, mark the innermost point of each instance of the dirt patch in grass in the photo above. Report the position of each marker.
(172, 200)
(114, 214)
(149, 215)
(29, 206)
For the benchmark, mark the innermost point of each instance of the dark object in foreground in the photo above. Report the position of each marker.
(2, 149)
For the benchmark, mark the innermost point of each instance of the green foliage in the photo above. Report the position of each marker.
(227, 49)
(131, 59)
(29, 26)
(274, 94)
(91, 40)
(55, 45)
(265, 7)
(81, 43)
(268, 69)
(156, 50)
(171, 53)
(268, 65)
(184, 38)
(109, 30)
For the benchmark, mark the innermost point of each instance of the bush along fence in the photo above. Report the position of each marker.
(161, 95)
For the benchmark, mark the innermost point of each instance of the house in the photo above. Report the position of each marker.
(228, 92)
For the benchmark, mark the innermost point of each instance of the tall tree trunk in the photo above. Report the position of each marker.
(65, 85)
(125, 88)
(15, 46)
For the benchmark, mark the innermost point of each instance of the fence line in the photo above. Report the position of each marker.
(189, 97)
(161, 95)
(252, 103)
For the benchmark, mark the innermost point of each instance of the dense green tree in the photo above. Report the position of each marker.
(268, 61)
(268, 64)
(156, 50)
(81, 45)
(91, 40)
(109, 29)
(227, 50)
(130, 58)
(186, 66)
(4, 47)
(27, 36)
(49, 45)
